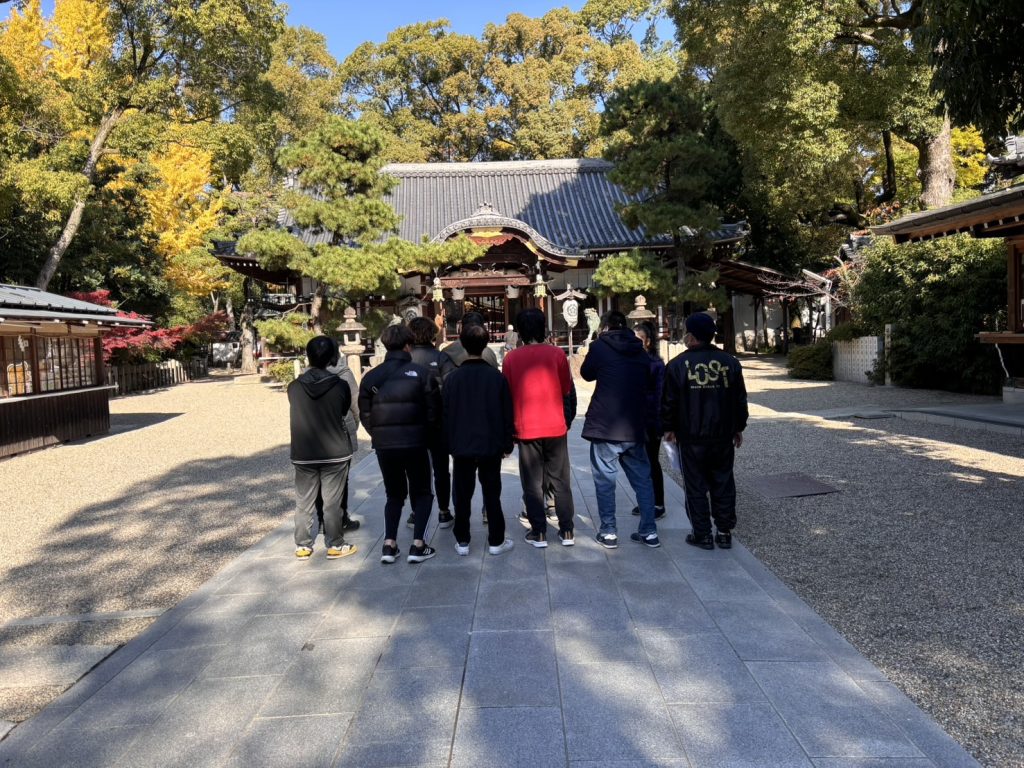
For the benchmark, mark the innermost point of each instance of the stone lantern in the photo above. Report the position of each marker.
(352, 341)
(640, 312)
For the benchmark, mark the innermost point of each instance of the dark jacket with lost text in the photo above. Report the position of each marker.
(318, 403)
(399, 403)
(705, 399)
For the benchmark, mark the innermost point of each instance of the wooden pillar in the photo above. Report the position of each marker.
(101, 369)
(1015, 285)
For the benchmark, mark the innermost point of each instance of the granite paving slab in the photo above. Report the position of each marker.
(570, 656)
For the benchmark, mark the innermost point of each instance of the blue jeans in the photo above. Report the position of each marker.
(604, 460)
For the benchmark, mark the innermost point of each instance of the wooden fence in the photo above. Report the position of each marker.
(139, 378)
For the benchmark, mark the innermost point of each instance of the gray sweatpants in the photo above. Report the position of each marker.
(329, 481)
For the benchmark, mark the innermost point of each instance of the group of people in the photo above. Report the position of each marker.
(423, 405)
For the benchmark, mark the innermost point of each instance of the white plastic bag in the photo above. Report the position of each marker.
(672, 453)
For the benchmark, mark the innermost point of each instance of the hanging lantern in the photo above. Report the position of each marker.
(512, 291)
(458, 293)
(437, 293)
(539, 289)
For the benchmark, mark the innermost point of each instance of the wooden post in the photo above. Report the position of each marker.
(1015, 286)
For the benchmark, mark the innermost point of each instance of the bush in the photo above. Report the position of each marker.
(848, 332)
(286, 334)
(937, 296)
(283, 372)
(812, 362)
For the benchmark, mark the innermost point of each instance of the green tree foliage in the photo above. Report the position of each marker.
(979, 61)
(657, 140)
(634, 273)
(336, 187)
(530, 88)
(938, 295)
(176, 59)
(811, 92)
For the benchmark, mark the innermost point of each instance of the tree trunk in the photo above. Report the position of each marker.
(316, 308)
(935, 166)
(229, 309)
(248, 334)
(74, 220)
(889, 183)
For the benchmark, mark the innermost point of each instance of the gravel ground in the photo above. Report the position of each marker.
(188, 479)
(916, 561)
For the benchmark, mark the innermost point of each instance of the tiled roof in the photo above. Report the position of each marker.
(21, 302)
(570, 204)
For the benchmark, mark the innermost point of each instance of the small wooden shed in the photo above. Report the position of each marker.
(52, 381)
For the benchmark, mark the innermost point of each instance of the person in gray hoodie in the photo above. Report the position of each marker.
(321, 448)
(616, 426)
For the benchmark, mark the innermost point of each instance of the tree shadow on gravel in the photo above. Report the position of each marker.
(157, 542)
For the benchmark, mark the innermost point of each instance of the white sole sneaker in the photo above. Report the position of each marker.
(461, 549)
(505, 546)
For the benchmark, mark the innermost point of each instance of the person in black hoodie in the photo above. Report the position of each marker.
(616, 426)
(400, 407)
(440, 365)
(704, 411)
(478, 424)
(321, 448)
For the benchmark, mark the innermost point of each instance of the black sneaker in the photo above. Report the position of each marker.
(723, 539)
(411, 520)
(419, 554)
(445, 519)
(348, 524)
(659, 512)
(567, 538)
(704, 542)
(388, 553)
(608, 540)
(537, 539)
(648, 539)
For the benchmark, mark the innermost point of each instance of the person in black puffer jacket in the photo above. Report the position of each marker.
(400, 406)
(321, 448)
(440, 365)
(704, 411)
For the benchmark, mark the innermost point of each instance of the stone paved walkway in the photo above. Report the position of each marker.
(560, 657)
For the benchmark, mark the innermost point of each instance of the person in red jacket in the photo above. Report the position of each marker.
(539, 378)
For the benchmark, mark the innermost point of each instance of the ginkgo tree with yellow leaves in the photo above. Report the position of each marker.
(183, 210)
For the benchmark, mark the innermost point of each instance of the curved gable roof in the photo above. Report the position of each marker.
(571, 203)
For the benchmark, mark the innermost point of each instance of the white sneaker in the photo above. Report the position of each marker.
(462, 549)
(505, 546)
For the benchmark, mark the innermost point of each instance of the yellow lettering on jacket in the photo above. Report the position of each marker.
(705, 374)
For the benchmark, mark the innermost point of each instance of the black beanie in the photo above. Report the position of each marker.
(701, 326)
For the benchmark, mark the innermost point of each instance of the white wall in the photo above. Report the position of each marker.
(743, 322)
(851, 360)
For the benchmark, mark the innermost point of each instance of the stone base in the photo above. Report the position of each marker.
(1013, 395)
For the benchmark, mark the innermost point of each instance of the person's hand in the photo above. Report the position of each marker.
(737, 439)
(670, 437)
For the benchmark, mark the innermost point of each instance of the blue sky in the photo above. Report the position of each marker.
(349, 23)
